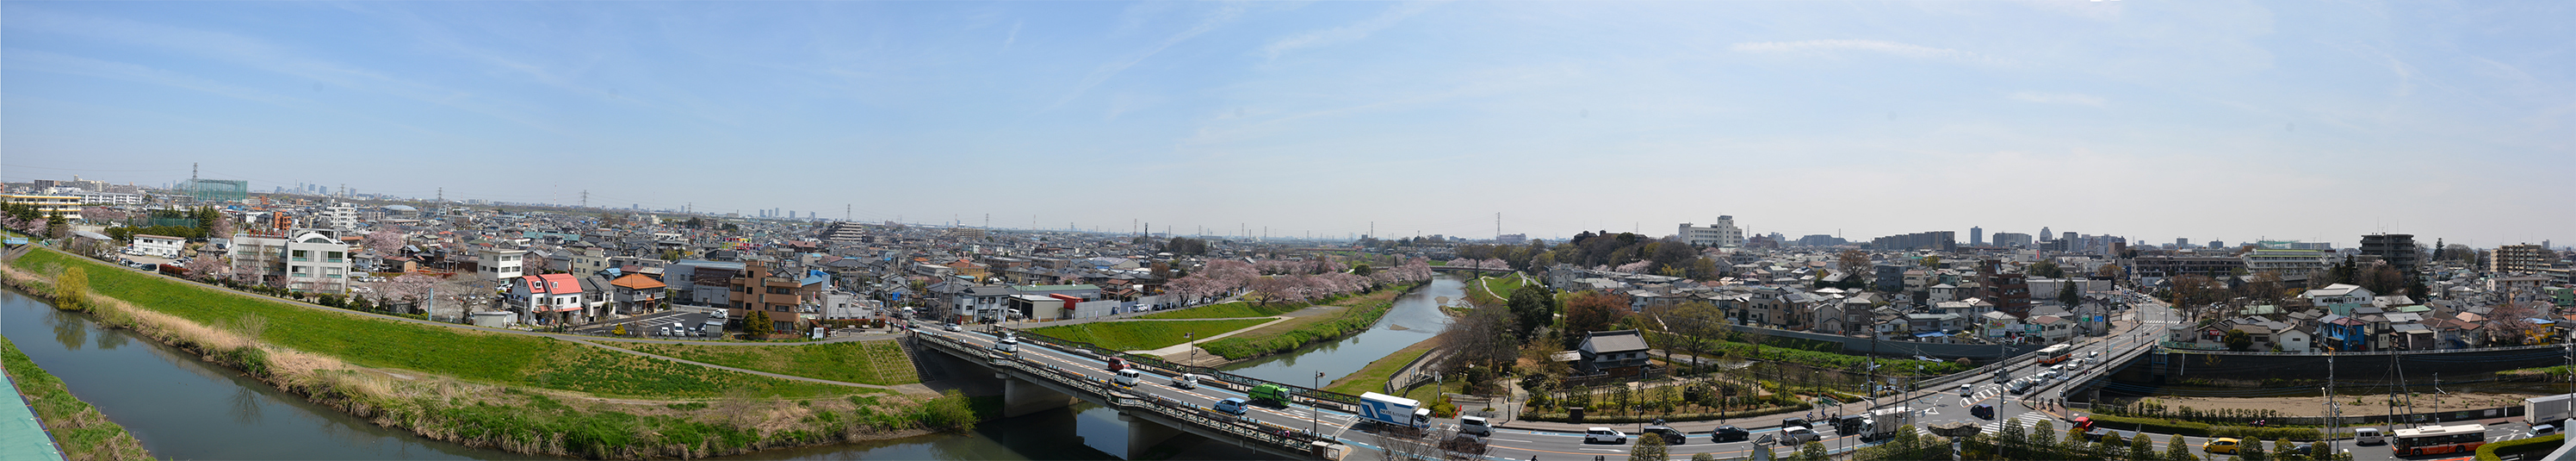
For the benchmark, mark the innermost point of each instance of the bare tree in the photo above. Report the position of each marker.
(1854, 263)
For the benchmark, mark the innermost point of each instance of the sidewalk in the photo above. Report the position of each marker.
(22, 436)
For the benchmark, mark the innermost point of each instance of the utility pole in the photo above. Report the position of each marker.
(585, 198)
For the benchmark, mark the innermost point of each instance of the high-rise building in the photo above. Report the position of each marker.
(1934, 240)
(2181, 243)
(2525, 258)
(1976, 236)
(2012, 240)
(1722, 234)
(2043, 234)
(2396, 249)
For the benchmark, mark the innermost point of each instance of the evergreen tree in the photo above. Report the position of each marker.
(1650, 447)
(2250, 450)
(1813, 451)
(757, 324)
(2141, 447)
(2175, 450)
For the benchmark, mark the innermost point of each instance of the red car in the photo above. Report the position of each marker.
(1119, 363)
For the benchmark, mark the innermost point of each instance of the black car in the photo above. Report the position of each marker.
(1725, 434)
(1671, 436)
(1848, 424)
(1800, 422)
(1983, 411)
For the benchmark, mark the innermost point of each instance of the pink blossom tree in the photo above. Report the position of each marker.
(384, 242)
(1636, 267)
(103, 214)
(209, 265)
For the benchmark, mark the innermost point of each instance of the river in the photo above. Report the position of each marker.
(183, 408)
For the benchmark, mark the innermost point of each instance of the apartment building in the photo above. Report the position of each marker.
(308, 260)
(2524, 258)
(498, 264)
(67, 205)
(1722, 234)
(2289, 263)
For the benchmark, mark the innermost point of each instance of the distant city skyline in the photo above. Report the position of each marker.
(2234, 121)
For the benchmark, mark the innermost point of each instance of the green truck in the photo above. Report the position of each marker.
(1273, 394)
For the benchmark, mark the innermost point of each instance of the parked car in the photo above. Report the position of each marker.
(1604, 435)
(1671, 436)
(1231, 405)
(1725, 434)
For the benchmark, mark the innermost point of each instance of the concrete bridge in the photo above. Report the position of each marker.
(1041, 376)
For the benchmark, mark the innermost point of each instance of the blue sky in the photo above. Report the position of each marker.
(2204, 119)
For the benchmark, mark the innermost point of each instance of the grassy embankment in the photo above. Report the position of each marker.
(78, 429)
(518, 393)
(868, 362)
(1144, 335)
(1232, 310)
(1360, 313)
(1373, 378)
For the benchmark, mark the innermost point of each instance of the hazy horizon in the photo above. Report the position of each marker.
(2234, 121)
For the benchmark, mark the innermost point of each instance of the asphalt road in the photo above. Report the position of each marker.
(1931, 406)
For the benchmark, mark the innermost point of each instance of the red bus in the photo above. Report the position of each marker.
(2053, 355)
(2429, 440)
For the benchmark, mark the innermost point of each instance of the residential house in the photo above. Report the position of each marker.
(548, 299)
(1615, 353)
(2339, 298)
(632, 294)
(498, 264)
(157, 245)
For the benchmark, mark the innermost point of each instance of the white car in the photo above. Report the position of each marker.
(1604, 435)
(1185, 381)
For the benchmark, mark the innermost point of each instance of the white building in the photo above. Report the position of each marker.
(107, 198)
(68, 206)
(157, 245)
(341, 215)
(497, 265)
(310, 260)
(1722, 234)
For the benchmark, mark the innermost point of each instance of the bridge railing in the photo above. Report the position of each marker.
(1341, 402)
(1284, 438)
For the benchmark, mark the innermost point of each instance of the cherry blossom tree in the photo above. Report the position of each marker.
(209, 265)
(1636, 267)
(407, 288)
(103, 214)
(384, 242)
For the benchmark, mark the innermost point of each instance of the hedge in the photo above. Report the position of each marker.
(2168, 426)
(2541, 445)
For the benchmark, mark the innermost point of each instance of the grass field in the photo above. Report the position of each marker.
(1363, 312)
(1496, 290)
(1134, 335)
(377, 342)
(1232, 310)
(82, 432)
(869, 362)
(1372, 378)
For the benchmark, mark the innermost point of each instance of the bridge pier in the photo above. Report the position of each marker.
(1020, 397)
(1143, 435)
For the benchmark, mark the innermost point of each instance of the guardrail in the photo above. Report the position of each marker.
(1345, 403)
(1288, 439)
(2169, 345)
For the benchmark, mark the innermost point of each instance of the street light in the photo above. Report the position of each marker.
(1315, 413)
(1192, 338)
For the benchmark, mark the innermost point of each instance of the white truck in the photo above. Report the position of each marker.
(2548, 410)
(1884, 422)
(1397, 411)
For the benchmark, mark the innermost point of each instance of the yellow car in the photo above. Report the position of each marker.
(2227, 446)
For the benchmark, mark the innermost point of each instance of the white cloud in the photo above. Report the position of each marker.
(1821, 47)
(2059, 98)
(1349, 33)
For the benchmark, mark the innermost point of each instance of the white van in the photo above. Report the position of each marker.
(1604, 435)
(1128, 377)
(1474, 425)
(2367, 436)
(1008, 345)
(1186, 381)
